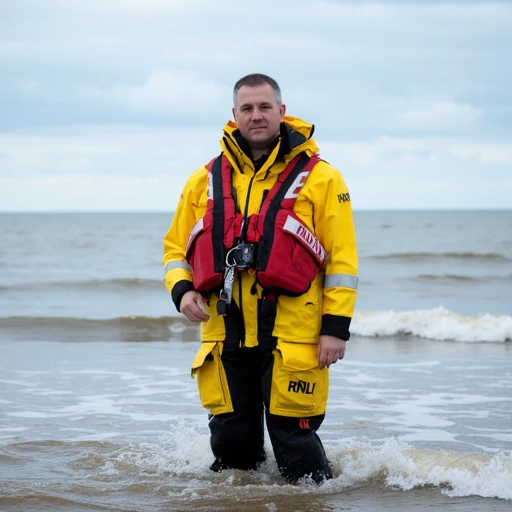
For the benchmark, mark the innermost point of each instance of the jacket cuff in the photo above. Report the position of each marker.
(334, 325)
(179, 289)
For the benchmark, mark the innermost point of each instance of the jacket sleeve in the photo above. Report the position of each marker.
(191, 207)
(334, 227)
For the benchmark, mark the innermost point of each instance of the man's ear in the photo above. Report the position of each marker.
(234, 113)
(282, 110)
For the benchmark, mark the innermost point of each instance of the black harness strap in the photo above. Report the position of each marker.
(234, 326)
(267, 309)
(218, 215)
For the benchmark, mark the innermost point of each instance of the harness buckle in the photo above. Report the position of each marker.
(241, 256)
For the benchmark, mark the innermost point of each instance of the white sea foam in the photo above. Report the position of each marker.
(185, 454)
(399, 465)
(436, 324)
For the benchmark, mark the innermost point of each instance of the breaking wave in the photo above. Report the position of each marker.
(461, 256)
(436, 324)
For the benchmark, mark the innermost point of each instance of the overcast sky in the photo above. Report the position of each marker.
(111, 104)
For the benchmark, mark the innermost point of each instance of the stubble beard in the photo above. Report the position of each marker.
(263, 144)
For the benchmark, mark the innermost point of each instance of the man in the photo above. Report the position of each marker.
(262, 253)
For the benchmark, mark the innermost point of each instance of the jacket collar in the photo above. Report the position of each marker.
(295, 137)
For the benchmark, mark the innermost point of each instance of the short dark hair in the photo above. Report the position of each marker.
(254, 80)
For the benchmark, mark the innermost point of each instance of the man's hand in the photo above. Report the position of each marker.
(330, 350)
(192, 306)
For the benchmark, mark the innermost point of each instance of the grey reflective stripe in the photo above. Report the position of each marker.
(177, 264)
(345, 280)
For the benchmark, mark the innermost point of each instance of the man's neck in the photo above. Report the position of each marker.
(258, 153)
(258, 162)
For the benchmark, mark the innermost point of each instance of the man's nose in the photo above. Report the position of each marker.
(256, 114)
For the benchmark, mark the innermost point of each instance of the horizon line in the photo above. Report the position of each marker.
(429, 209)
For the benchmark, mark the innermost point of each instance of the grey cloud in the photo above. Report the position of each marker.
(367, 62)
(91, 71)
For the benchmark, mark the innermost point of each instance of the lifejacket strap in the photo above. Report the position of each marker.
(218, 194)
(234, 327)
(267, 310)
(274, 201)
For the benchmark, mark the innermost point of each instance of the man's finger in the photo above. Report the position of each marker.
(194, 314)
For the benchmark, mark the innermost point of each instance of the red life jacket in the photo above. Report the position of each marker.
(288, 256)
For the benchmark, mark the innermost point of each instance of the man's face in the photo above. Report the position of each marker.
(258, 115)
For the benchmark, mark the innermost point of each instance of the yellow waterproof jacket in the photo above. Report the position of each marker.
(323, 205)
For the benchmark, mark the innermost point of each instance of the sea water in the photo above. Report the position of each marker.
(98, 410)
